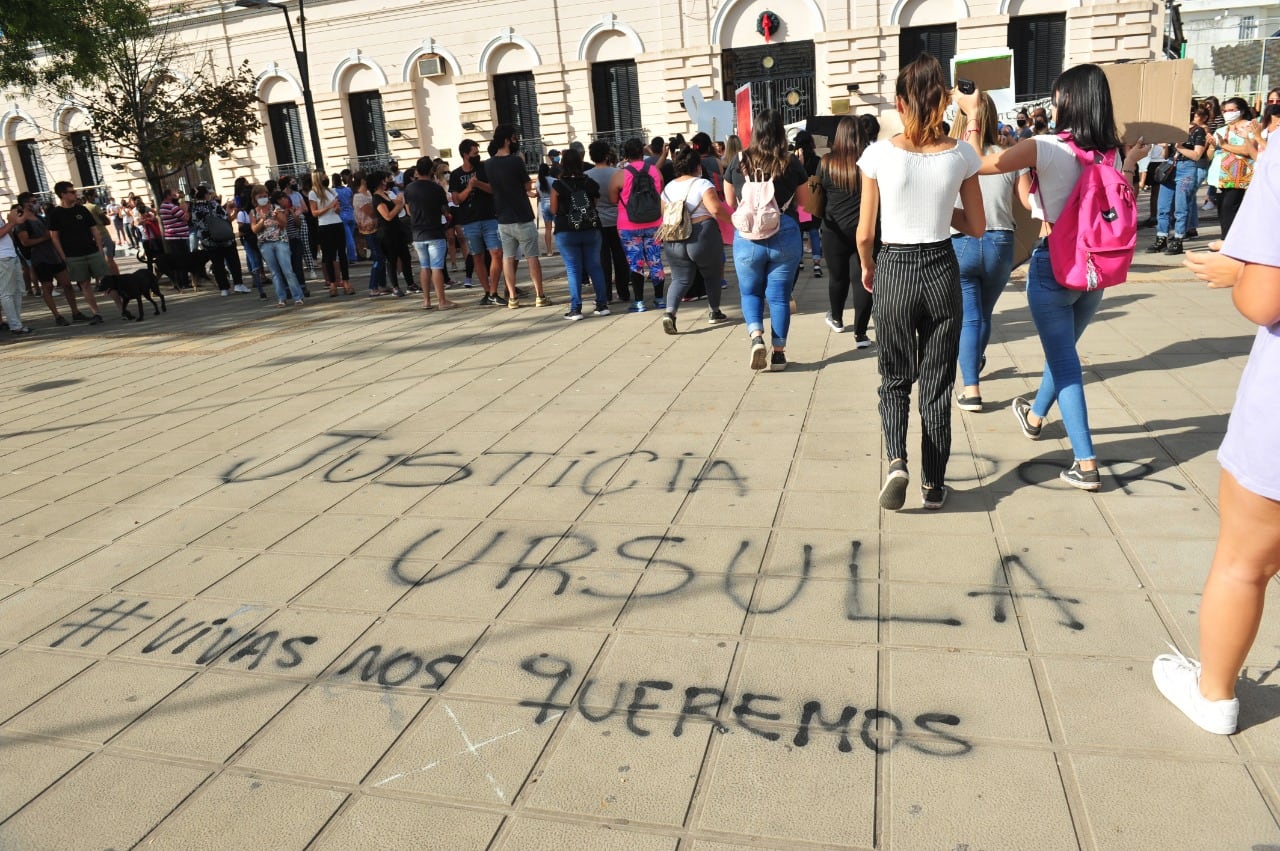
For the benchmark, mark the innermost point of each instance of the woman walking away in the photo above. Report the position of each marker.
(326, 208)
(270, 224)
(635, 190)
(703, 250)
(766, 254)
(387, 206)
(1232, 169)
(577, 224)
(1248, 553)
(1082, 108)
(911, 181)
(842, 183)
(985, 262)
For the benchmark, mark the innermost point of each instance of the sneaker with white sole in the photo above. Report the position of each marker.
(1085, 480)
(893, 495)
(835, 324)
(1021, 408)
(861, 341)
(758, 353)
(1178, 679)
(934, 497)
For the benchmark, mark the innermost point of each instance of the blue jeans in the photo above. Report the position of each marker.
(1061, 315)
(253, 256)
(279, 259)
(378, 264)
(350, 228)
(985, 265)
(815, 242)
(581, 253)
(766, 269)
(1173, 214)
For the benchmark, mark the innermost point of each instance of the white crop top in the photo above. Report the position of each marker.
(917, 190)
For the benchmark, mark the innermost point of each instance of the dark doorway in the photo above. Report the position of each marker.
(780, 75)
(516, 98)
(86, 158)
(32, 165)
(369, 129)
(615, 90)
(287, 141)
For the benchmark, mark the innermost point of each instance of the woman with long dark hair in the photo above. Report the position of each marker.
(806, 152)
(577, 224)
(387, 206)
(1236, 148)
(1175, 220)
(766, 267)
(842, 184)
(703, 252)
(911, 182)
(986, 261)
(1082, 108)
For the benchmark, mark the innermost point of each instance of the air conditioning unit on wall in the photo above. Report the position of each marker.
(430, 66)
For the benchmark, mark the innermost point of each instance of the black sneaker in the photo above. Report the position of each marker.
(969, 403)
(861, 341)
(669, 323)
(777, 361)
(817, 270)
(1085, 480)
(1174, 247)
(499, 300)
(893, 495)
(757, 353)
(835, 324)
(79, 317)
(715, 317)
(1159, 245)
(96, 319)
(61, 320)
(934, 497)
(1021, 408)
(574, 314)
(1193, 234)
(486, 300)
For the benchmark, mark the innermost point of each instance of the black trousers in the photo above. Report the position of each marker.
(918, 314)
(226, 258)
(1231, 201)
(614, 261)
(333, 248)
(845, 269)
(179, 252)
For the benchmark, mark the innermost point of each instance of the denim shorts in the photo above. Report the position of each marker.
(432, 253)
(522, 236)
(482, 236)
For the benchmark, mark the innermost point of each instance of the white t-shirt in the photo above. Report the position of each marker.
(7, 248)
(1057, 171)
(334, 216)
(695, 189)
(917, 190)
(997, 197)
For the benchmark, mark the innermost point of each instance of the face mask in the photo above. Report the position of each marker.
(474, 159)
(262, 202)
(1229, 117)
(1022, 122)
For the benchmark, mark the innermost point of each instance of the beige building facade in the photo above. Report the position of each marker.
(397, 79)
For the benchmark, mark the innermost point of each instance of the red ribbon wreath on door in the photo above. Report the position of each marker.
(767, 24)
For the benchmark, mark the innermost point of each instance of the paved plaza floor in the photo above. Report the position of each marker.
(355, 575)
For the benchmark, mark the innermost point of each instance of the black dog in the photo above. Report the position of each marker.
(131, 287)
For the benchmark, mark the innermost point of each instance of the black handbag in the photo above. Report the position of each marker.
(1164, 171)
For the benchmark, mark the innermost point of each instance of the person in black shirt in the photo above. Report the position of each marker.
(512, 189)
(841, 182)
(428, 206)
(471, 191)
(33, 236)
(1178, 192)
(75, 235)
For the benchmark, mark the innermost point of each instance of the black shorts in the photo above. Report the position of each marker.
(47, 272)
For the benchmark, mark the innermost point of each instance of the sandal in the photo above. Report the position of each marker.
(350, 290)
(450, 306)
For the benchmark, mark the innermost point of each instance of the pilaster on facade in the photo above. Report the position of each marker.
(475, 103)
(553, 104)
(1113, 32)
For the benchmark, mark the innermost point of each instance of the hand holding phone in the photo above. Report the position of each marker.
(966, 87)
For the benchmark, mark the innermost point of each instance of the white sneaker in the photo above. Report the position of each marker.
(241, 288)
(224, 293)
(57, 292)
(1178, 679)
(1207, 206)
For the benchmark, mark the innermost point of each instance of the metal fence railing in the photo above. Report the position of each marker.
(1230, 67)
(280, 170)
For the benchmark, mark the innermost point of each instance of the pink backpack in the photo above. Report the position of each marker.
(1091, 244)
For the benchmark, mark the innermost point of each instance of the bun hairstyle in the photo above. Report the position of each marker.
(922, 99)
(687, 160)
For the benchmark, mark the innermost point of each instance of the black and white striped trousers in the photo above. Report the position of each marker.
(918, 314)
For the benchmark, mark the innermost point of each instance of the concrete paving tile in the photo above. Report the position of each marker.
(535, 503)
(322, 536)
(419, 537)
(233, 811)
(33, 519)
(1130, 800)
(1109, 624)
(478, 591)
(1070, 563)
(534, 834)
(477, 752)
(517, 663)
(255, 530)
(195, 633)
(616, 545)
(240, 496)
(605, 770)
(99, 702)
(1258, 733)
(210, 717)
(375, 823)
(271, 578)
(107, 566)
(939, 558)
(1174, 565)
(680, 660)
(187, 572)
(648, 505)
(1115, 704)
(588, 598)
(44, 558)
(800, 672)
(362, 584)
(297, 642)
(116, 801)
(1167, 517)
(987, 797)
(967, 514)
(453, 500)
(1185, 609)
(803, 780)
(411, 654)
(683, 601)
(722, 506)
(105, 624)
(52, 488)
(175, 489)
(817, 610)
(350, 730)
(180, 526)
(706, 845)
(713, 551)
(945, 617)
(27, 612)
(310, 496)
(29, 768)
(29, 675)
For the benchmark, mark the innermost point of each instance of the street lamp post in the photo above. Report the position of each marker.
(304, 71)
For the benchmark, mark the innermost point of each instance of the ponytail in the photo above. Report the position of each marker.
(923, 97)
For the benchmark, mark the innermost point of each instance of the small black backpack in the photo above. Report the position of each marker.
(581, 213)
(643, 204)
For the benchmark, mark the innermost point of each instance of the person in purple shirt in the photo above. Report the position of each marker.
(1248, 552)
